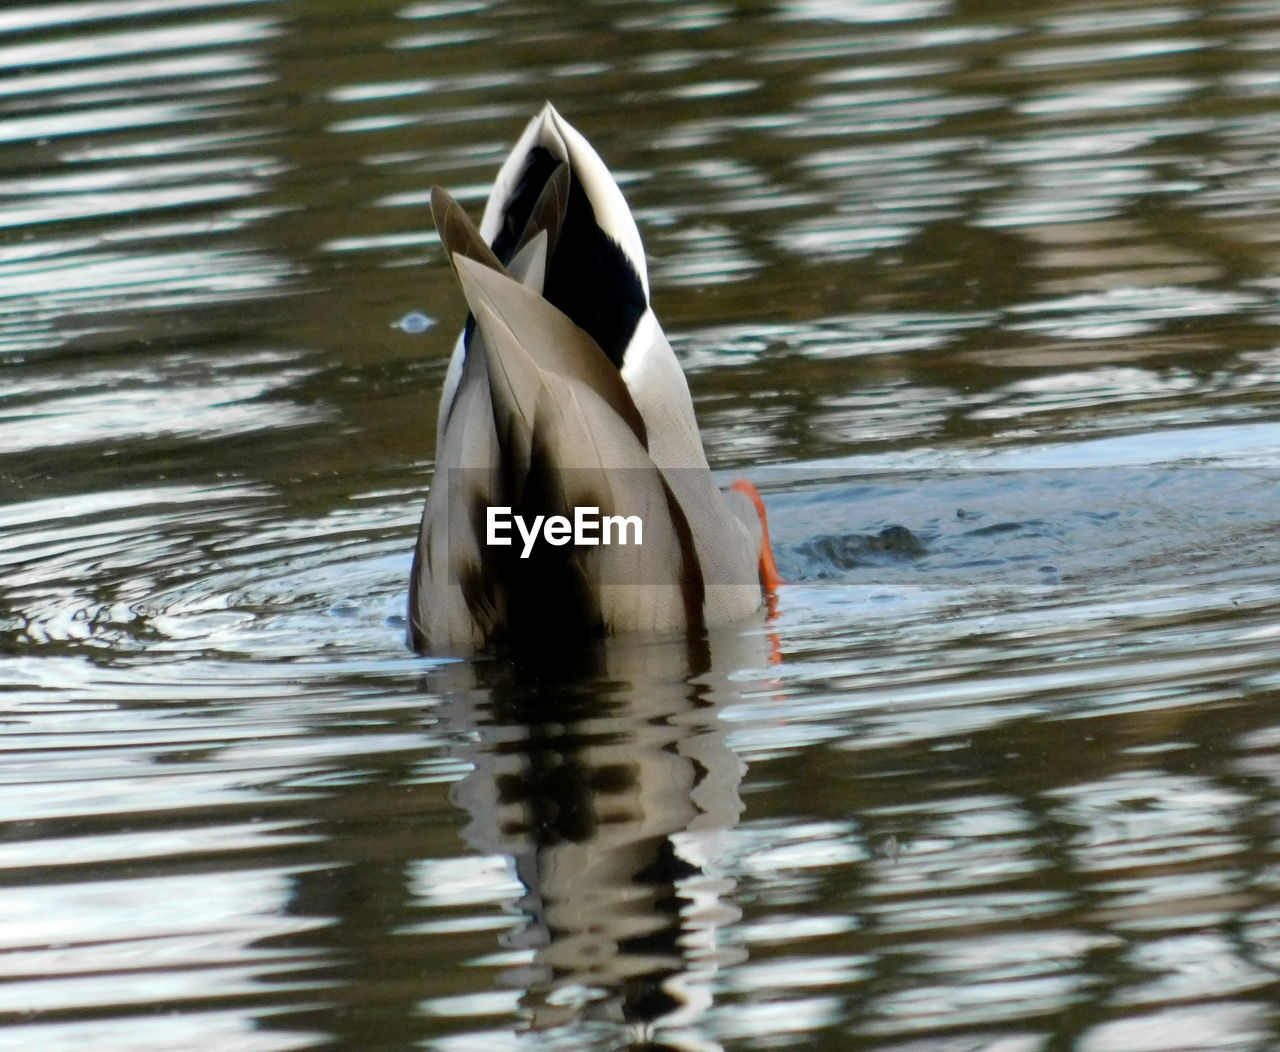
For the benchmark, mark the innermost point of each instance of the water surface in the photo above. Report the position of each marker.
(986, 300)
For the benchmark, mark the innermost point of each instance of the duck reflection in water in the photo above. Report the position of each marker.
(610, 789)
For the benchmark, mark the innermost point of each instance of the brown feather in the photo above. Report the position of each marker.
(458, 234)
(550, 338)
(549, 211)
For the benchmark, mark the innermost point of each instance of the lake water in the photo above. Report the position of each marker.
(985, 296)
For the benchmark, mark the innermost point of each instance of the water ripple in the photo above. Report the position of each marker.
(983, 301)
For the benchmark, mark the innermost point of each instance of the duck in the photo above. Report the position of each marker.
(564, 405)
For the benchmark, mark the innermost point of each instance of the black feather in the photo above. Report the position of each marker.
(589, 277)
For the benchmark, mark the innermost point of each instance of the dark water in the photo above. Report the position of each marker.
(983, 294)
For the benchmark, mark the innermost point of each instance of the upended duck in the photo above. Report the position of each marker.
(572, 497)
